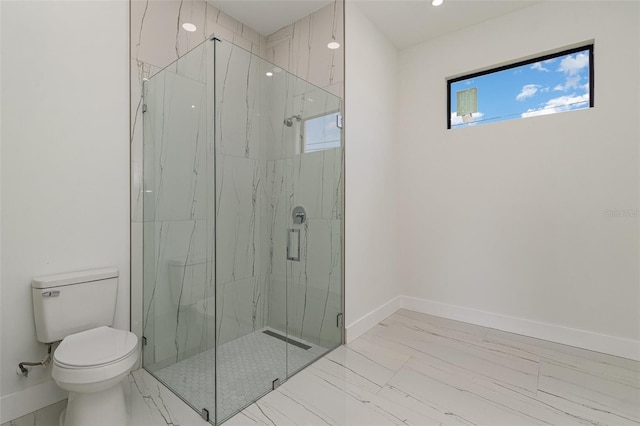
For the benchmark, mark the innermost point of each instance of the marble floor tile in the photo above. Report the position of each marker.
(352, 366)
(608, 398)
(416, 369)
(378, 354)
(559, 352)
(466, 353)
(446, 324)
(150, 403)
(455, 397)
(314, 397)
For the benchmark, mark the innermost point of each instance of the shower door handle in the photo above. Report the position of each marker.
(293, 245)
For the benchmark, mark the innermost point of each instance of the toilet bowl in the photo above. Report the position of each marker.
(77, 309)
(90, 365)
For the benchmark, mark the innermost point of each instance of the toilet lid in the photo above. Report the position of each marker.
(98, 346)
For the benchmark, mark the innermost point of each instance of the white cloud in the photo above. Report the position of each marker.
(571, 83)
(538, 66)
(528, 90)
(456, 120)
(559, 104)
(572, 64)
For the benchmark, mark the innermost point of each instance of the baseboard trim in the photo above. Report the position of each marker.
(360, 326)
(28, 400)
(612, 345)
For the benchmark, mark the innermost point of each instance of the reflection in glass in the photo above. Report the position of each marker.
(226, 315)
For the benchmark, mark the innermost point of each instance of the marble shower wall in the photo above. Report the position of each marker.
(177, 221)
(177, 210)
(309, 291)
(183, 201)
(240, 274)
(301, 48)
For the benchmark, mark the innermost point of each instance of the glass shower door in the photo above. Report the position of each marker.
(178, 249)
(242, 227)
(314, 221)
(278, 268)
(251, 307)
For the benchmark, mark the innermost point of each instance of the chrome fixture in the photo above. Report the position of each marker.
(299, 215)
(289, 120)
(293, 245)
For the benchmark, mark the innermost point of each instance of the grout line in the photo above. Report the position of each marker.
(394, 375)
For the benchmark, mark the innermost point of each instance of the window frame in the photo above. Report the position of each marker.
(581, 48)
(303, 138)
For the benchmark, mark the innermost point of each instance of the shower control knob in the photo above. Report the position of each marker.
(299, 215)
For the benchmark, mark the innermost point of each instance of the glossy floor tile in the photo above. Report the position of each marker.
(416, 369)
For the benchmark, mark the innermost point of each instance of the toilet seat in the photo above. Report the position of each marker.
(95, 348)
(93, 358)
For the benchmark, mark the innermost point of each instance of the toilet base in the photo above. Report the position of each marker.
(103, 408)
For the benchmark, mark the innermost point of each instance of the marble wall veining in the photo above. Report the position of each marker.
(301, 48)
(308, 291)
(260, 175)
(157, 40)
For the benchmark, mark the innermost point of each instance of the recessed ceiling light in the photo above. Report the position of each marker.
(189, 27)
(333, 45)
(269, 74)
(193, 106)
(437, 2)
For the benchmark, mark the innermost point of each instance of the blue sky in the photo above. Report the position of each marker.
(548, 87)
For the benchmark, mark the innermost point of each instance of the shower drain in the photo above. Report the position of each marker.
(287, 339)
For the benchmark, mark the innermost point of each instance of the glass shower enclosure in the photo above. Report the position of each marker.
(242, 241)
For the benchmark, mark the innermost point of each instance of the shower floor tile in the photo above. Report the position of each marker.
(247, 368)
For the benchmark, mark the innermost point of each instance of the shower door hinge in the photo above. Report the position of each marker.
(339, 123)
(144, 341)
(205, 414)
(340, 320)
(275, 384)
(144, 108)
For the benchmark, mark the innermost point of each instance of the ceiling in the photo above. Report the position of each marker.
(404, 22)
(268, 16)
(409, 22)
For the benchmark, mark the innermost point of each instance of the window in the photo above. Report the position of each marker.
(545, 85)
(320, 133)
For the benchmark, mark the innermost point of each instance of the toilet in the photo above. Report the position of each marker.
(77, 309)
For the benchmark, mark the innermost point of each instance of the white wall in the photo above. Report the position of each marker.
(507, 221)
(65, 167)
(371, 274)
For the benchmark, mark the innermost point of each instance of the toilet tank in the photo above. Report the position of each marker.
(65, 304)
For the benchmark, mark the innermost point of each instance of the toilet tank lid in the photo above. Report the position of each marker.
(69, 278)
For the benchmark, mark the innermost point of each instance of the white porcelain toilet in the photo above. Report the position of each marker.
(92, 358)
